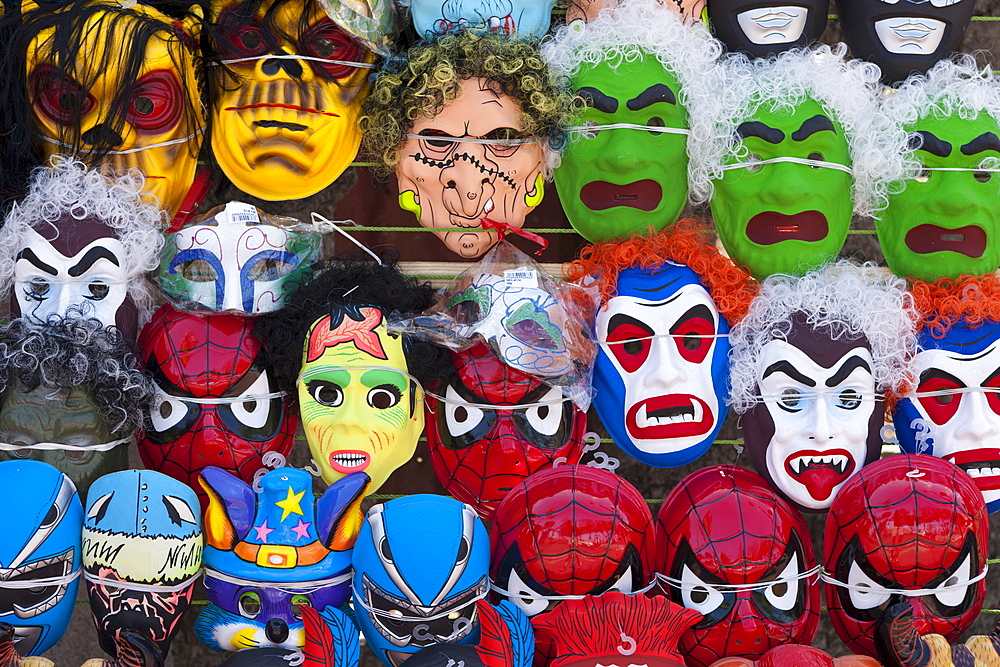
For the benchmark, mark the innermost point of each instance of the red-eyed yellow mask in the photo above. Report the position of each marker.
(288, 88)
(118, 86)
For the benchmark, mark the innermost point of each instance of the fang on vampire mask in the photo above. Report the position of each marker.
(527, 19)
(116, 86)
(492, 426)
(903, 38)
(639, 69)
(269, 552)
(954, 410)
(913, 526)
(565, 533)
(216, 400)
(420, 566)
(287, 91)
(790, 156)
(359, 386)
(80, 241)
(237, 258)
(141, 555)
(71, 395)
(467, 124)
(943, 218)
(732, 550)
(809, 366)
(40, 553)
(763, 28)
(662, 374)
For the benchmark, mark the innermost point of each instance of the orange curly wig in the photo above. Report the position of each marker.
(946, 300)
(731, 286)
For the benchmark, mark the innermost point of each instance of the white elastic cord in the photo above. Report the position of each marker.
(583, 129)
(491, 406)
(62, 446)
(474, 140)
(793, 160)
(806, 395)
(221, 400)
(137, 149)
(759, 585)
(991, 170)
(316, 370)
(325, 225)
(41, 583)
(142, 588)
(359, 599)
(293, 56)
(954, 391)
(285, 586)
(905, 592)
(536, 596)
(69, 281)
(666, 335)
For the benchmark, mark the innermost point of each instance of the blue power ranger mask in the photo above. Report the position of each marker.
(954, 412)
(40, 553)
(420, 565)
(661, 374)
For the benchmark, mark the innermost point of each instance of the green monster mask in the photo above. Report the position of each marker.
(786, 217)
(945, 223)
(615, 182)
(68, 418)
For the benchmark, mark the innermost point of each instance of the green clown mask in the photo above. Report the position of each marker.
(787, 207)
(946, 221)
(360, 408)
(618, 181)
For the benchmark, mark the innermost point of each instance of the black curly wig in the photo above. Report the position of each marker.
(74, 352)
(343, 282)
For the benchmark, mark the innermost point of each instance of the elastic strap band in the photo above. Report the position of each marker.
(286, 586)
(326, 225)
(138, 149)
(64, 580)
(994, 170)
(760, 585)
(292, 56)
(905, 592)
(535, 596)
(316, 370)
(490, 406)
(793, 160)
(62, 446)
(818, 394)
(359, 599)
(143, 588)
(666, 335)
(474, 140)
(953, 392)
(221, 400)
(583, 129)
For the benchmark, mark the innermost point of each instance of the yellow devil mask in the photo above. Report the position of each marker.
(118, 86)
(287, 90)
(361, 409)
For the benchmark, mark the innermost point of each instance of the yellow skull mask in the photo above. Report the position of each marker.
(286, 98)
(361, 410)
(90, 100)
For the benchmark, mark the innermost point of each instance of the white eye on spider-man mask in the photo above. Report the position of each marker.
(521, 322)
(661, 372)
(237, 258)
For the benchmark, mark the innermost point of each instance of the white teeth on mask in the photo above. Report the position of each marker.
(838, 461)
(488, 206)
(983, 472)
(350, 460)
(494, 23)
(693, 412)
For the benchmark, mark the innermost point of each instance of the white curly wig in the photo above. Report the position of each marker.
(846, 89)
(844, 300)
(67, 186)
(627, 32)
(957, 87)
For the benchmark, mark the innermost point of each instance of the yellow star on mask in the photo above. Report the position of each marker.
(290, 504)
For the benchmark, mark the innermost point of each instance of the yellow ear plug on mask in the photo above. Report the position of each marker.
(408, 202)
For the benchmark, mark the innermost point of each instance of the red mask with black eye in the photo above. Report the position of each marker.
(200, 358)
(569, 530)
(480, 453)
(911, 522)
(721, 527)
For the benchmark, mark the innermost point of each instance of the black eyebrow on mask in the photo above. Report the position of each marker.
(810, 126)
(755, 128)
(658, 92)
(598, 100)
(789, 370)
(932, 144)
(90, 258)
(935, 373)
(987, 141)
(846, 369)
(30, 255)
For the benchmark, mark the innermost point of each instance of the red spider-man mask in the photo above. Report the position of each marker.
(907, 523)
(228, 420)
(479, 453)
(569, 531)
(733, 550)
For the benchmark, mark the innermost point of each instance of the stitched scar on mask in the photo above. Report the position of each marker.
(471, 159)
